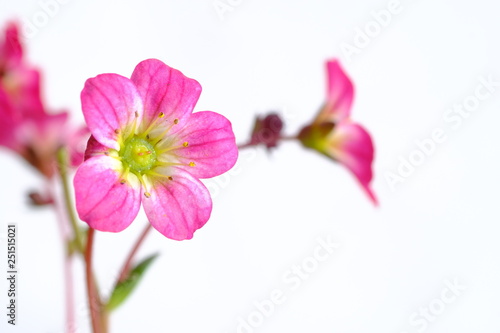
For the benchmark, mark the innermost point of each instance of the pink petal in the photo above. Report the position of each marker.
(211, 145)
(352, 146)
(25, 91)
(101, 200)
(340, 94)
(76, 141)
(94, 148)
(8, 122)
(167, 90)
(177, 207)
(11, 51)
(110, 103)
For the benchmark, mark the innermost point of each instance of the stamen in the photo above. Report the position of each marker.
(153, 123)
(124, 176)
(143, 183)
(162, 151)
(159, 175)
(162, 135)
(117, 131)
(166, 164)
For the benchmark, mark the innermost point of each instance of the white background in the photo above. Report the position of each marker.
(440, 224)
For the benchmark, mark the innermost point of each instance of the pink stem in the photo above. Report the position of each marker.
(126, 267)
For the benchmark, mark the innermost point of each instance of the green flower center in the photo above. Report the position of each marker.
(138, 155)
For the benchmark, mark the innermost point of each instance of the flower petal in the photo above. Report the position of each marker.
(352, 146)
(11, 50)
(23, 85)
(167, 90)
(340, 94)
(94, 148)
(101, 200)
(110, 104)
(77, 139)
(211, 145)
(8, 123)
(177, 207)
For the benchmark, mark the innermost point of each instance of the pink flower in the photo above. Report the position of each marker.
(25, 127)
(334, 135)
(147, 146)
(19, 80)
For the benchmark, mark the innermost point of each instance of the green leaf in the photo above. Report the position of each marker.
(123, 289)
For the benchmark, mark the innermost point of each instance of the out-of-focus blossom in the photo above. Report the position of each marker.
(334, 135)
(25, 126)
(147, 146)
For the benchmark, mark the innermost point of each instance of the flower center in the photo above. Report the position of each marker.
(138, 154)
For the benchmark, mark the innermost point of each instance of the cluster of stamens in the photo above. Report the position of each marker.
(139, 152)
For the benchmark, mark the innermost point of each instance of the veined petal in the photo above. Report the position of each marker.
(177, 206)
(101, 199)
(111, 105)
(167, 90)
(94, 148)
(210, 142)
(340, 94)
(351, 145)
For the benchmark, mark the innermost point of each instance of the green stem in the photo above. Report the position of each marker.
(62, 161)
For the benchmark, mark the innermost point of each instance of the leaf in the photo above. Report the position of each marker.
(123, 289)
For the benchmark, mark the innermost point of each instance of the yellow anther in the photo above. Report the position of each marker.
(192, 164)
(176, 121)
(117, 131)
(147, 194)
(185, 144)
(122, 181)
(161, 115)
(170, 178)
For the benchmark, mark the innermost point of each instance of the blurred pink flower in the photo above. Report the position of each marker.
(147, 146)
(334, 135)
(19, 81)
(25, 127)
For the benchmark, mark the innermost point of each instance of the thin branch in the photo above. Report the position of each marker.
(128, 262)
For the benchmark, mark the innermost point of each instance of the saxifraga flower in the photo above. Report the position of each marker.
(147, 146)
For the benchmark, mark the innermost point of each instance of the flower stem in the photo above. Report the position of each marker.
(70, 301)
(128, 262)
(95, 305)
(63, 171)
(255, 144)
(246, 145)
(68, 260)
